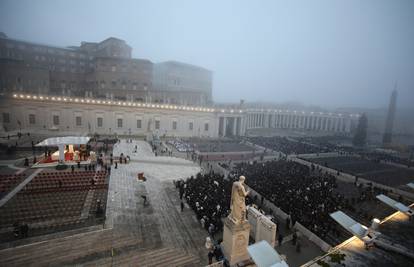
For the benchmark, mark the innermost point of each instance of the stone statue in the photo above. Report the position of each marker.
(238, 205)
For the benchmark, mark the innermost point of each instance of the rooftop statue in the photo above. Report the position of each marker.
(238, 198)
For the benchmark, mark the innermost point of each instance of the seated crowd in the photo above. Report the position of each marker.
(180, 145)
(306, 195)
(288, 146)
(219, 145)
(209, 196)
(389, 158)
(369, 169)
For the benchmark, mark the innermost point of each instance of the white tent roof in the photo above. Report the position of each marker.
(264, 255)
(350, 224)
(393, 204)
(66, 140)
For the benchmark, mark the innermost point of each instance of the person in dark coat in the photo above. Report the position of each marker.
(280, 239)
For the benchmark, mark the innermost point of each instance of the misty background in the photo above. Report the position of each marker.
(327, 53)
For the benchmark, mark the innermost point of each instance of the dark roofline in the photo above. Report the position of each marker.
(125, 59)
(183, 64)
(40, 44)
(114, 38)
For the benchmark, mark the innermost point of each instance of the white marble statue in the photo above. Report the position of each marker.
(238, 197)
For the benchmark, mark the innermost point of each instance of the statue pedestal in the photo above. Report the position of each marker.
(235, 241)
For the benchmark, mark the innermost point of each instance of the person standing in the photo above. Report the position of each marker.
(182, 206)
(280, 239)
(294, 238)
(210, 257)
(145, 199)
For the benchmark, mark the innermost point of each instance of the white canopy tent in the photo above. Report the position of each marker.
(61, 142)
(264, 255)
(395, 205)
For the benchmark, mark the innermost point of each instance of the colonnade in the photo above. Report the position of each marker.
(308, 121)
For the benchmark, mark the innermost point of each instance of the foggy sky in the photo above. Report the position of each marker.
(326, 52)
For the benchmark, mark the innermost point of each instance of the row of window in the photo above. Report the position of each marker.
(99, 122)
(48, 50)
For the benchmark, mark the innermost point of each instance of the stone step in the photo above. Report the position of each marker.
(161, 257)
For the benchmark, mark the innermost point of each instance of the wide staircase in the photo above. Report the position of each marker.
(97, 248)
(168, 257)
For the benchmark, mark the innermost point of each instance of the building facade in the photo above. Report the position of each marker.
(52, 114)
(185, 81)
(103, 70)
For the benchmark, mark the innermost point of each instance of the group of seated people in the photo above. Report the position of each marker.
(180, 145)
(209, 196)
(288, 146)
(307, 196)
(389, 158)
(219, 145)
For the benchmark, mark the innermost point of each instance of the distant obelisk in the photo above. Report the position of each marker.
(387, 138)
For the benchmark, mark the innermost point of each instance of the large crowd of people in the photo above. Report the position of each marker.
(370, 169)
(306, 195)
(209, 196)
(219, 145)
(390, 158)
(288, 146)
(180, 145)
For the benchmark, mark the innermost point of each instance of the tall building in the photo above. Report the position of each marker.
(389, 124)
(181, 79)
(99, 70)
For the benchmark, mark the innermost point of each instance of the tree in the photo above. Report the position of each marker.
(360, 137)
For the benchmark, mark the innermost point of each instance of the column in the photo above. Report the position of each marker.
(248, 120)
(318, 123)
(234, 126)
(61, 153)
(341, 120)
(255, 120)
(224, 126)
(348, 125)
(278, 121)
(338, 120)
